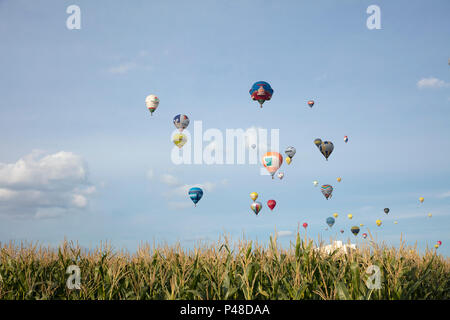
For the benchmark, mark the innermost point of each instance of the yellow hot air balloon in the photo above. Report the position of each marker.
(179, 139)
(436, 246)
(421, 199)
(430, 215)
(378, 222)
(339, 179)
(395, 222)
(254, 196)
(350, 216)
(361, 225)
(335, 215)
(288, 160)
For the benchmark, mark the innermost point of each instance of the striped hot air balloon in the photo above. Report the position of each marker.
(195, 194)
(272, 161)
(327, 190)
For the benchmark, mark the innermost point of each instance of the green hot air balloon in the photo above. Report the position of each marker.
(355, 230)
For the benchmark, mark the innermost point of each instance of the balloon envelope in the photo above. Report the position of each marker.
(256, 207)
(179, 139)
(261, 91)
(386, 210)
(280, 175)
(330, 221)
(335, 215)
(271, 204)
(364, 235)
(355, 230)
(311, 103)
(181, 121)
(290, 152)
(315, 183)
(254, 196)
(288, 160)
(339, 179)
(378, 222)
(152, 103)
(350, 216)
(305, 225)
(272, 161)
(345, 139)
(327, 190)
(326, 148)
(195, 194)
(318, 142)
(421, 199)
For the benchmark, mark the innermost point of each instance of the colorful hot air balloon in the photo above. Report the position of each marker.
(386, 210)
(318, 142)
(345, 139)
(305, 225)
(355, 230)
(327, 190)
(261, 91)
(350, 216)
(272, 161)
(339, 179)
(288, 160)
(195, 194)
(310, 103)
(280, 175)
(326, 148)
(364, 235)
(342, 230)
(254, 196)
(315, 183)
(271, 204)
(181, 121)
(256, 207)
(330, 221)
(335, 215)
(378, 222)
(179, 139)
(152, 103)
(421, 199)
(290, 152)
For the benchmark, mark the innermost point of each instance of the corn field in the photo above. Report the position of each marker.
(242, 270)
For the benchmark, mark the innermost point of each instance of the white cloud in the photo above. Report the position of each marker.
(169, 179)
(432, 82)
(122, 68)
(444, 195)
(284, 233)
(44, 185)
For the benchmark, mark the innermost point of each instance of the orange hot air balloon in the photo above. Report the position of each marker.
(272, 161)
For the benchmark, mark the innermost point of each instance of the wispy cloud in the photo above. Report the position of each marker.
(284, 233)
(122, 68)
(432, 82)
(444, 195)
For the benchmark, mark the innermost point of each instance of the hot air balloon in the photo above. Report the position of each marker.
(288, 160)
(339, 179)
(327, 190)
(350, 216)
(364, 235)
(335, 215)
(290, 152)
(272, 161)
(361, 225)
(305, 225)
(253, 146)
(342, 230)
(315, 183)
(330, 221)
(311, 103)
(378, 222)
(152, 103)
(261, 91)
(326, 148)
(386, 210)
(256, 207)
(439, 242)
(181, 121)
(421, 199)
(254, 196)
(271, 204)
(280, 175)
(318, 142)
(395, 222)
(345, 139)
(436, 246)
(430, 215)
(355, 230)
(179, 139)
(195, 194)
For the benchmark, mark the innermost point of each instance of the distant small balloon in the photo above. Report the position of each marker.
(315, 183)
(395, 222)
(386, 210)
(305, 225)
(256, 207)
(378, 222)
(364, 235)
(339, 179)
(271, 204)
(253, 146)
(330, 221)
(350, 216)
(288, 160)
(342, 231)
(280, 175)
(430, 215)
(335, 215)
(436, 246)
(421, 199)
(311, 103)
(355, 230)
(439, 242)
(179, 139)
(361, 225)
(345, 139)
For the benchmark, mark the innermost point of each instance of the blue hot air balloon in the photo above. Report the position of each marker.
(261, 91)
(330, 221)
(195, 194)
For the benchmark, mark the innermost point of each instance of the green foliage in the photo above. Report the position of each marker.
(244, 271)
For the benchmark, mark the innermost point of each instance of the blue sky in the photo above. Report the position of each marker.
(104, 170)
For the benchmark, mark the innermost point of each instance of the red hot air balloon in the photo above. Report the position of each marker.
(439, 243)
(305, 225)
(271, 204)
